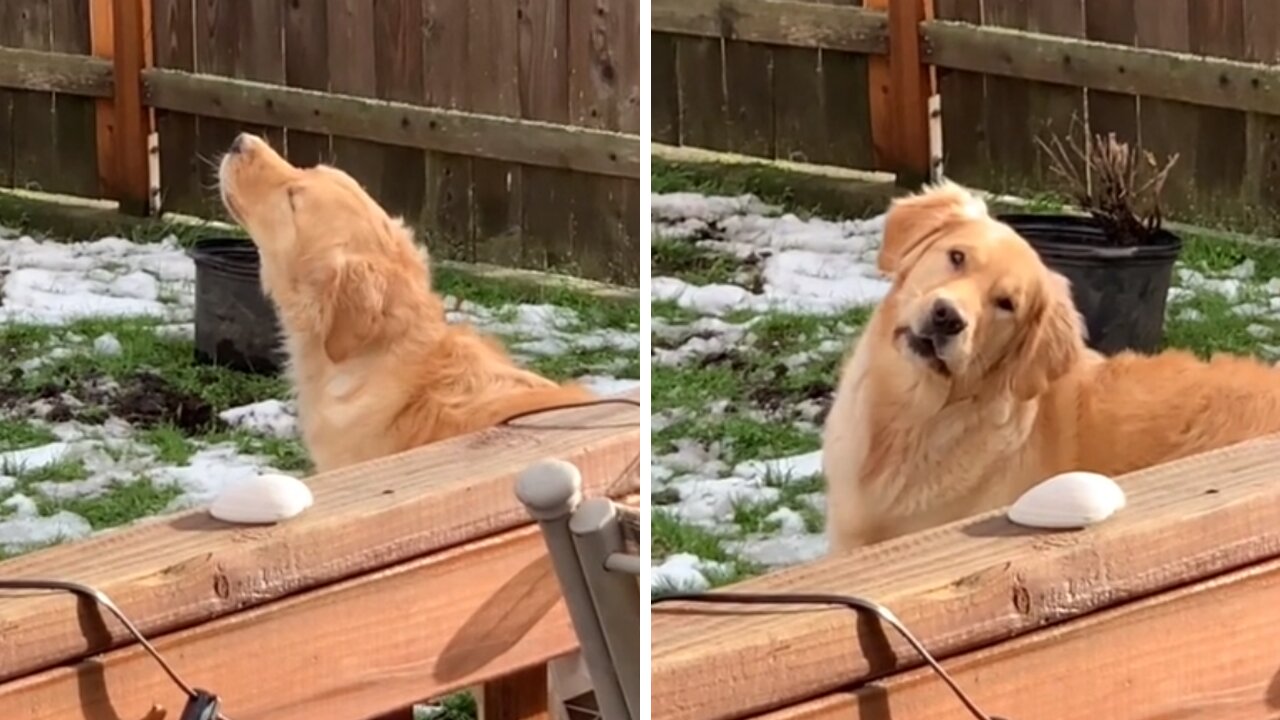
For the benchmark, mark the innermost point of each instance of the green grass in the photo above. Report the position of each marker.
(683, 259)
(18, 434)
(122, 503)
(459, 706)
(671, 536)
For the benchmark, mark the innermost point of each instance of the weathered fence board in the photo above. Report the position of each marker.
(545, 89)
(785, 80)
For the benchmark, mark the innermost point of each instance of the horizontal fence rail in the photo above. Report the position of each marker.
(1195, 79)
(56, 72)
(395, 123)
(776, 22)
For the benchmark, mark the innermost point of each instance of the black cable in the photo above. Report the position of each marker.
(853, 603)
(195, 696)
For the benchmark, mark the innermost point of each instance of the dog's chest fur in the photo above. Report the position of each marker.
(901, 461)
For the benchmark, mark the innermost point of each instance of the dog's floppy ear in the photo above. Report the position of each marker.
(354, 298)
(1052, 344)
(913, 220)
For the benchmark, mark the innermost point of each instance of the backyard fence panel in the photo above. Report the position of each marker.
(493, 67)
(1169, 126)
(544, 95)
(1262, 44)
(399, 71)
(821, 105)
(1008, 110)
(447, 207)
(1053, 108)
(965, 144)
(75, 169)
(1217, 29)
(604, 57)
(306, 65)
(748, 87)
(352, 71)
(27, 26)
(49, 139)
(1116, 23)
(664, 94)
(180, 164)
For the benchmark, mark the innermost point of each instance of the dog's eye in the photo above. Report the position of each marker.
(957, 258)
(1004, 304)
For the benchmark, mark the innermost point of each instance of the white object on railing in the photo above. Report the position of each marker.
(262, 499)
(1070, 500)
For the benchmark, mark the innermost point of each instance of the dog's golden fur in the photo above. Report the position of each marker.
(923, 433)
(376, 368)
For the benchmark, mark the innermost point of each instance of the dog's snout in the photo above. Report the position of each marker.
(945, 320)
(238, 145)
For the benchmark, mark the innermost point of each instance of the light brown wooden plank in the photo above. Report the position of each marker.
(178, 570)
(1112, 22)
(102, 35)
(966, 585)
(132, 119)
(880, 87)
(1206, 651)
(912, 85)
(451, 620)
(1215, 82)
(776, 22)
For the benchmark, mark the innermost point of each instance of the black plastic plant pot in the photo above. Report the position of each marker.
(1120, 291)
(236, 325)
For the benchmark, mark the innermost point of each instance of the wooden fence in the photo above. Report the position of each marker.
(411, 577)
(506, 130)
(805, 80)
(1166, 610)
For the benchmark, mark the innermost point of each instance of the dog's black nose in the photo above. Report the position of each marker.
(945, 320)
(238, 144)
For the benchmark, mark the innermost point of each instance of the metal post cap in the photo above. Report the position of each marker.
(550, 488)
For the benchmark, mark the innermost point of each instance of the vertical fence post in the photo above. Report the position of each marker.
(901, 86)
(125, 132)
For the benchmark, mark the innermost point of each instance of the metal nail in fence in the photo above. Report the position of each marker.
(201, 704)
(854, 603)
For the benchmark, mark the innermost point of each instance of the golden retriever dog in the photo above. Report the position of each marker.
(972, 383)
(376, 368)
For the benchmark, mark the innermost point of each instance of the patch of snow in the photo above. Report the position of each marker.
(684, 572)
(274, 418)
(781, 550)
(607, 386)
(31, 459)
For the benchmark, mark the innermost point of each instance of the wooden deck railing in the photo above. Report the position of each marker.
(411, 577)
(1168, 609)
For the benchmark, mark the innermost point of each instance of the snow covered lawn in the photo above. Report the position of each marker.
(106, 419)
(753, 310)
